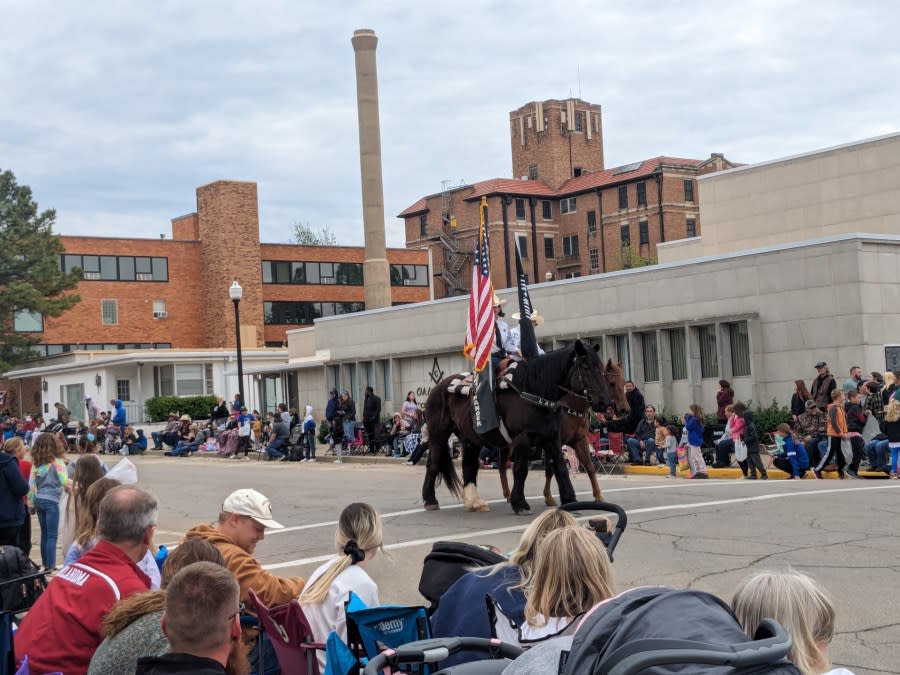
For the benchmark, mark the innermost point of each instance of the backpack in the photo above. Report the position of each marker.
(14, 564)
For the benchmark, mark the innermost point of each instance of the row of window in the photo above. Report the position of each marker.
(116, 267)
(342, 274)
(291, 313)
(738, 340)
(52, 349)
(375, 374)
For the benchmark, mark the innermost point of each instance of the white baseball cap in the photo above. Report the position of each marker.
(253, 504)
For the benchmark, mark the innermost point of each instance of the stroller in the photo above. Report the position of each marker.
(640, 631)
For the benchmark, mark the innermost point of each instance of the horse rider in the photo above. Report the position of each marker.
(515, 336)
(501, 347)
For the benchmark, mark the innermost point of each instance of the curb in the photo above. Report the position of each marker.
(774, 474)
(322, 459)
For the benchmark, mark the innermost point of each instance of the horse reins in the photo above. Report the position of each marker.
(542, 402)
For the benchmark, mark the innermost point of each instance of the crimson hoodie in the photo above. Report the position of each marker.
(62, 631)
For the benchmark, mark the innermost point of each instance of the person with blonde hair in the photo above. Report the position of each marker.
(49, 478)
(461, 611)
(795, 601)
(892, 431)
(358, 538)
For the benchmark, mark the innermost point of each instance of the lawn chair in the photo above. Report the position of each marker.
(370, 630)
(291, 636)
(610, 452)
(358, 446)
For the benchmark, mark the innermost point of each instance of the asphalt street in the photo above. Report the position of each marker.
(694, 534)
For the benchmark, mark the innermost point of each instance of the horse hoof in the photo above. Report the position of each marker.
(433, 507)
(522, 512)
(482, 507)
(549, 501)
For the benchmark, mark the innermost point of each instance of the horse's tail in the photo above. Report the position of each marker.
(440, 425)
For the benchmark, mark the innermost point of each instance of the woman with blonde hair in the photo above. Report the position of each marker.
(795, 601)
(461, 611)
(357, 539)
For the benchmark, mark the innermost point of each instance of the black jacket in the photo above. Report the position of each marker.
(169, 664)
(12, 488)
(220, 412)
(751, 433)
(347, 411)
(372, 408)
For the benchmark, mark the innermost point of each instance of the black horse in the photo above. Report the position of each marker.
(530, 414)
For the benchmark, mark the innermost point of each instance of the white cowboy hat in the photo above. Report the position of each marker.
(498, 301)
(536, 318)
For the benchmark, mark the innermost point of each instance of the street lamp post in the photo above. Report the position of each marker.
(235, 292)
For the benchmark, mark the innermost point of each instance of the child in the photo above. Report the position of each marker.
(309, 433)
(671, 446)
(659, 439)
(751, 440)
(737, 435)
(794, 459)
(892, 429)
(358, 539)
(46, 484)
(694, 426)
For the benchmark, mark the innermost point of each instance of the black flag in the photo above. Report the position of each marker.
(527, 339)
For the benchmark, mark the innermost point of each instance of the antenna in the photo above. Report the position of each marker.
(578, 67)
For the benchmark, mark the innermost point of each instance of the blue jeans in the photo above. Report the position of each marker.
(349, 432)
(724, 448)
(273, 450)
(48, 517)
(183, 448)
(877, 452)
(634, 449)
(672, 461)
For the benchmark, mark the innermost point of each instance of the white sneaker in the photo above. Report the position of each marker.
(302, 460)
(311, 460)
(338, 461)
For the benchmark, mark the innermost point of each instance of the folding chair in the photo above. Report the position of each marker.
(358, 445)
(291, 636)
(610, 452)
(372, 629)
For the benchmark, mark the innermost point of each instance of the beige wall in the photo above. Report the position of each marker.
(850, 188)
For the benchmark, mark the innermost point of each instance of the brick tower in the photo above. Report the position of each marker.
(228, 228)
(554, 141)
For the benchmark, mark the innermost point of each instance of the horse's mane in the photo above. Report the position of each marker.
(542, 375)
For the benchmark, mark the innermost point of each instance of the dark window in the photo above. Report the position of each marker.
(709, 358)
(688, 190)
(594, 256)
(548, 248)
(642, 194)
(423, 225)
(625, 233)
(579, 124)
(739, 339)
(292, 313)
(567, 205)
(623, 196)
(678, 353)
(532, 172)
(117, 268)
(691, 227)
(578, 171)
(287, 272)
(570, 246)
(592, 221)
(522, 243)
(546, 210)
(408, 275)
(644, 232)
(298, 273)
(520, 209)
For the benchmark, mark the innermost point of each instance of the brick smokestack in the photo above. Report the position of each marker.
(375, 267)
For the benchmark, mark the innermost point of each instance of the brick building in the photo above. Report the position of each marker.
(171, 296)
(569, 214)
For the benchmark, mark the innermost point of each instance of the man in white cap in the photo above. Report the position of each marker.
(501, 345)
(245, 516)
(515, 334)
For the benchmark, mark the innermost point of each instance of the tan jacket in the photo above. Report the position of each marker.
(272, 590)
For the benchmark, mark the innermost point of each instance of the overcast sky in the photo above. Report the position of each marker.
(115, 112)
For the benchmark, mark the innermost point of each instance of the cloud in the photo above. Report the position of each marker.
(114, 114)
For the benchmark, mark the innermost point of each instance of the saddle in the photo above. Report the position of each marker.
(461, 384)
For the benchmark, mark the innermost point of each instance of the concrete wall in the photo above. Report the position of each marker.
(849, 188)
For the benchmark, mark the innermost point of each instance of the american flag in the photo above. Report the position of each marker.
(480, 327)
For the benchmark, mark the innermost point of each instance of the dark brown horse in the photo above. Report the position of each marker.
(530, 414)
(574, 420)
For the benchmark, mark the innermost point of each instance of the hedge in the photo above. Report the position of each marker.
(198, 407)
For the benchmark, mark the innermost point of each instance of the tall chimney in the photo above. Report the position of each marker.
(375, 267)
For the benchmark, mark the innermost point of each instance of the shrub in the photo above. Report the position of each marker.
(324, 430)
(770, 417)
(198, 407)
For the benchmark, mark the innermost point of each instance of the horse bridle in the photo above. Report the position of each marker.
(586, 396)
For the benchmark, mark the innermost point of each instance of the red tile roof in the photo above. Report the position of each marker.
(418, 207)
(511, 186)
(589, 181)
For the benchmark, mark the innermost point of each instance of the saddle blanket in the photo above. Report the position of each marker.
(461, 384)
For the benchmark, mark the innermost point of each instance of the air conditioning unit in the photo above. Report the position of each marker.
(160, 315)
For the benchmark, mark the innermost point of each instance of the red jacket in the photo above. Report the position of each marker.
(62, 630)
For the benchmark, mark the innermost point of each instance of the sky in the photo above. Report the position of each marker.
(113, 113)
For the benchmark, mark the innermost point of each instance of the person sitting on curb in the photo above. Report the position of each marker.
(642, 447)
(281, 436)
(169, 435)
(794, 461)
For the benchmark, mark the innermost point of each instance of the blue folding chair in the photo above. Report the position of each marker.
(370, 630)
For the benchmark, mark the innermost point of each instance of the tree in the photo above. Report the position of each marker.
(32, 284)
(303, 233)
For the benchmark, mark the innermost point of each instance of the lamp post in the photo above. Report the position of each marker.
(235, 292)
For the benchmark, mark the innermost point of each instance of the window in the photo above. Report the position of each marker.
(28, 322)
(650, 355)
(592, 221)
(387, 384)
(303, 313)
(288, 272)
(423, 225)
(532, 172)
(623, 355)
(595, 258)
(577, 171)
(182, 379)
(579, 123)
(678, 353)
(688, 190)
(691, 227)
(625, 234)
(548, 248)
(546, 210)
(117, 268)
(623, 196)
(159, 309)
(409, 275)
(522, 244)
(642, 194)
(109, 312)
(567, 205)
(123, 390)
(570, 246)
(520, 209)
(644, 232)
(739, 338)
(709, 360)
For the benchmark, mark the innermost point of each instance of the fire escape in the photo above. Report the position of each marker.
(453, 256)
